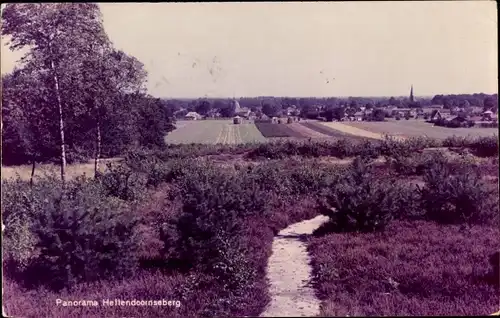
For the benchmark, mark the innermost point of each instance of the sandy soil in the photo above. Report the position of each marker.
(289, 273)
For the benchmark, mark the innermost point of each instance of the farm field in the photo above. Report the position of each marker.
(270, 130)
(305, 131)
(328, 131)
(352, 130)
(214, 132)
(415, 128)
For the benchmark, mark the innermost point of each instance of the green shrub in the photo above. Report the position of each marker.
(415, 164)
(485, 146)
(456, 198)
(123, 182)
(80, 234)
(18, 241)
(360, 202)
(214, 206)
(456, 141)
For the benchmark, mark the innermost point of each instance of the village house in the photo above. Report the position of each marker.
(192, 116)
(488, 116)
(237, 120)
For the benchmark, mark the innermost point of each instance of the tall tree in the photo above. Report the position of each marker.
(55, 34)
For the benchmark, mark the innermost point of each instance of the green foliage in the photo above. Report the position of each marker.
(79, 234)
(360, 202)
(485, 146)
(415, 164)
(378, 115)
(122, 182)
(101, 89)
(18, 241)
(214, 206)
(456, 198)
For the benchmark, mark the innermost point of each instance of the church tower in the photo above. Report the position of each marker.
(412, 98)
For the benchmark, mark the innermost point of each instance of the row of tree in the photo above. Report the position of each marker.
(310, 106)
(488, 102)
(74, 96)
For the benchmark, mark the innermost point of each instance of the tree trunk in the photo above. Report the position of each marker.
(61, 123)
(98, 143)
(33, 163)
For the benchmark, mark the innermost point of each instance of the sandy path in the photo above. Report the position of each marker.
(357, 131)
(289, 273)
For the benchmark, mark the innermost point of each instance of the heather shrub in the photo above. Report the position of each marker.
(415, 164)
(79, 233)
(209, 232)
(123, 182)
(456, 141)
(344, 148)
(18, 241)
(392, 147)
(485, 146)
(360, 202)
(214, 206)
(456, 198)
(495, 266)
(368, 149)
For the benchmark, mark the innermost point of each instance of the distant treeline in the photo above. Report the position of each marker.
(276, 106)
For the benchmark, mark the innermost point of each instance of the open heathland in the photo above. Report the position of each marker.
(194, 212)
(412, 269)
(197, 224)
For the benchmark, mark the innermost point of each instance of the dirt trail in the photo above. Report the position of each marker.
(289, 273)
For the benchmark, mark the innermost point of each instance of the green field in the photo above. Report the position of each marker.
(416, 128)
(214, 132)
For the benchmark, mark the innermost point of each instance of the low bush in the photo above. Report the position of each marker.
(485, 146)
(457, 198)
(360, 202)
(122, 182)
(415, 164)
(456, 141)
(77, 233)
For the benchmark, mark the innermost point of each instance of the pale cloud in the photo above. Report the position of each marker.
(307, 49)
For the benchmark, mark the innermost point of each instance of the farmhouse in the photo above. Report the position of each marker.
(488, 115)
(436, 115)
(237, 120)
(263, 117)
(290, 111)
(357, 116)
(192, 116)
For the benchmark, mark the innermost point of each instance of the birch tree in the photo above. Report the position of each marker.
(55, 35)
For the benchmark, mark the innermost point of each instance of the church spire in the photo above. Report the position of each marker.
(412, 98)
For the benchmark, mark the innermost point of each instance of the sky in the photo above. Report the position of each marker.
(307, 49)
